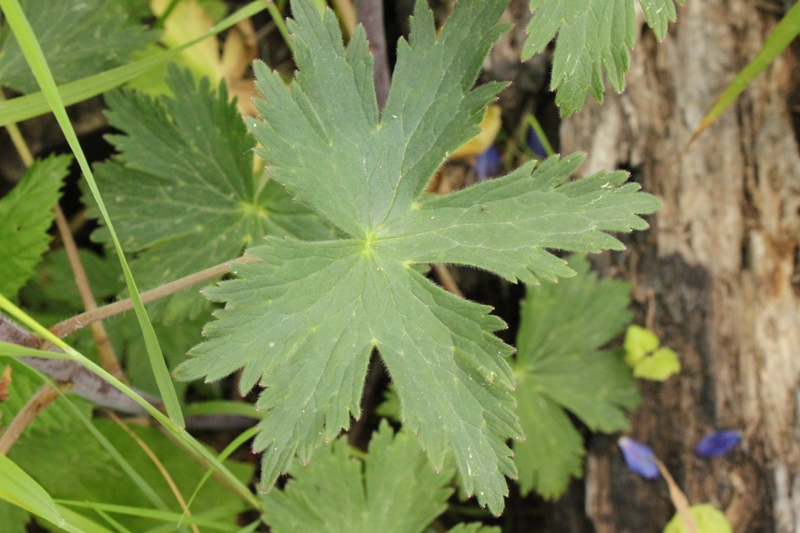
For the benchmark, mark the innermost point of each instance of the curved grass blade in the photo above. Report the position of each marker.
(780, 38)
(33, 105)
(35, 57)
(165, 516)
(18, 488)
(185, 439)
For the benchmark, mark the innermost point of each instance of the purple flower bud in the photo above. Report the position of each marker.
(487, 163)
(639, 458)
(718, 443)
(535, 144)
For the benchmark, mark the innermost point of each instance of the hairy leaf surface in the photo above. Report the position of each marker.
(593, 36)
(559, 368)
(304, 320)
(79, 38)
(394, 490)
(182, 192)
(26, 213)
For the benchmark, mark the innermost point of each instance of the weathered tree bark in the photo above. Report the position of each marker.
(717, 275)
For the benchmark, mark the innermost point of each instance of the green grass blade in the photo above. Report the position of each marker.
(36, 60)
(783, 34)
(223, 407)
(232, 447)
(84, 523)
(537, 128)
(15, 350)
(165, 516)
(185, 439)
(18, 488)
(33, 105)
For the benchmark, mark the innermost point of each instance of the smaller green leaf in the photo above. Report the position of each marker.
(80, 38)
(18, 488)
(594, 37)
(659, 366)
(394, 490)
(26, 214)
(560, 369)
(639, 342)
(708, 518)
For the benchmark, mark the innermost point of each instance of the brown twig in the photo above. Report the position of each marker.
(370, 13)
(35, 405)
(678, 499)
(153, 457)
(71, 325)
(446, 279)
(108, 359)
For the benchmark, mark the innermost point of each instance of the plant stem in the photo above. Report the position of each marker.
(156, 461)
(35, 405)
(108, 359)
(446, 279)
(71, 325)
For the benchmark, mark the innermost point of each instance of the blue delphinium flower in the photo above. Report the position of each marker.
(487, 163)
(535, 144)
(718, 443)
(639, 457)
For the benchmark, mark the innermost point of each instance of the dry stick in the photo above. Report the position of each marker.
(678, 499)
(153, 457)
(108, 359)
(41, 399)
(71, 325)
(446, 279)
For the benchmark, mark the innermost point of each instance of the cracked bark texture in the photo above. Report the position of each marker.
(717, 273)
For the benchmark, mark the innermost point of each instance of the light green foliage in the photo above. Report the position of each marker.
(79, 38)
(26, 214)
(559, 368)
(304, 320)
(71, 464)
(182, 192)
(393, 490)
(708, 519)
(639, 342)
(593, 36)
(642, 353)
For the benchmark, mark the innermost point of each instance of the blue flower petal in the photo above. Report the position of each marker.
(535, 144)
(718, 443)
(639, 458)
(487, 163)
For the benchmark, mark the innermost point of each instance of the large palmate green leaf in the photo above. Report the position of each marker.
(26, 214)
(558, 367)
(394, 490)
(182, 192)
(304, 320)
(593, 35)
(79, 38)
